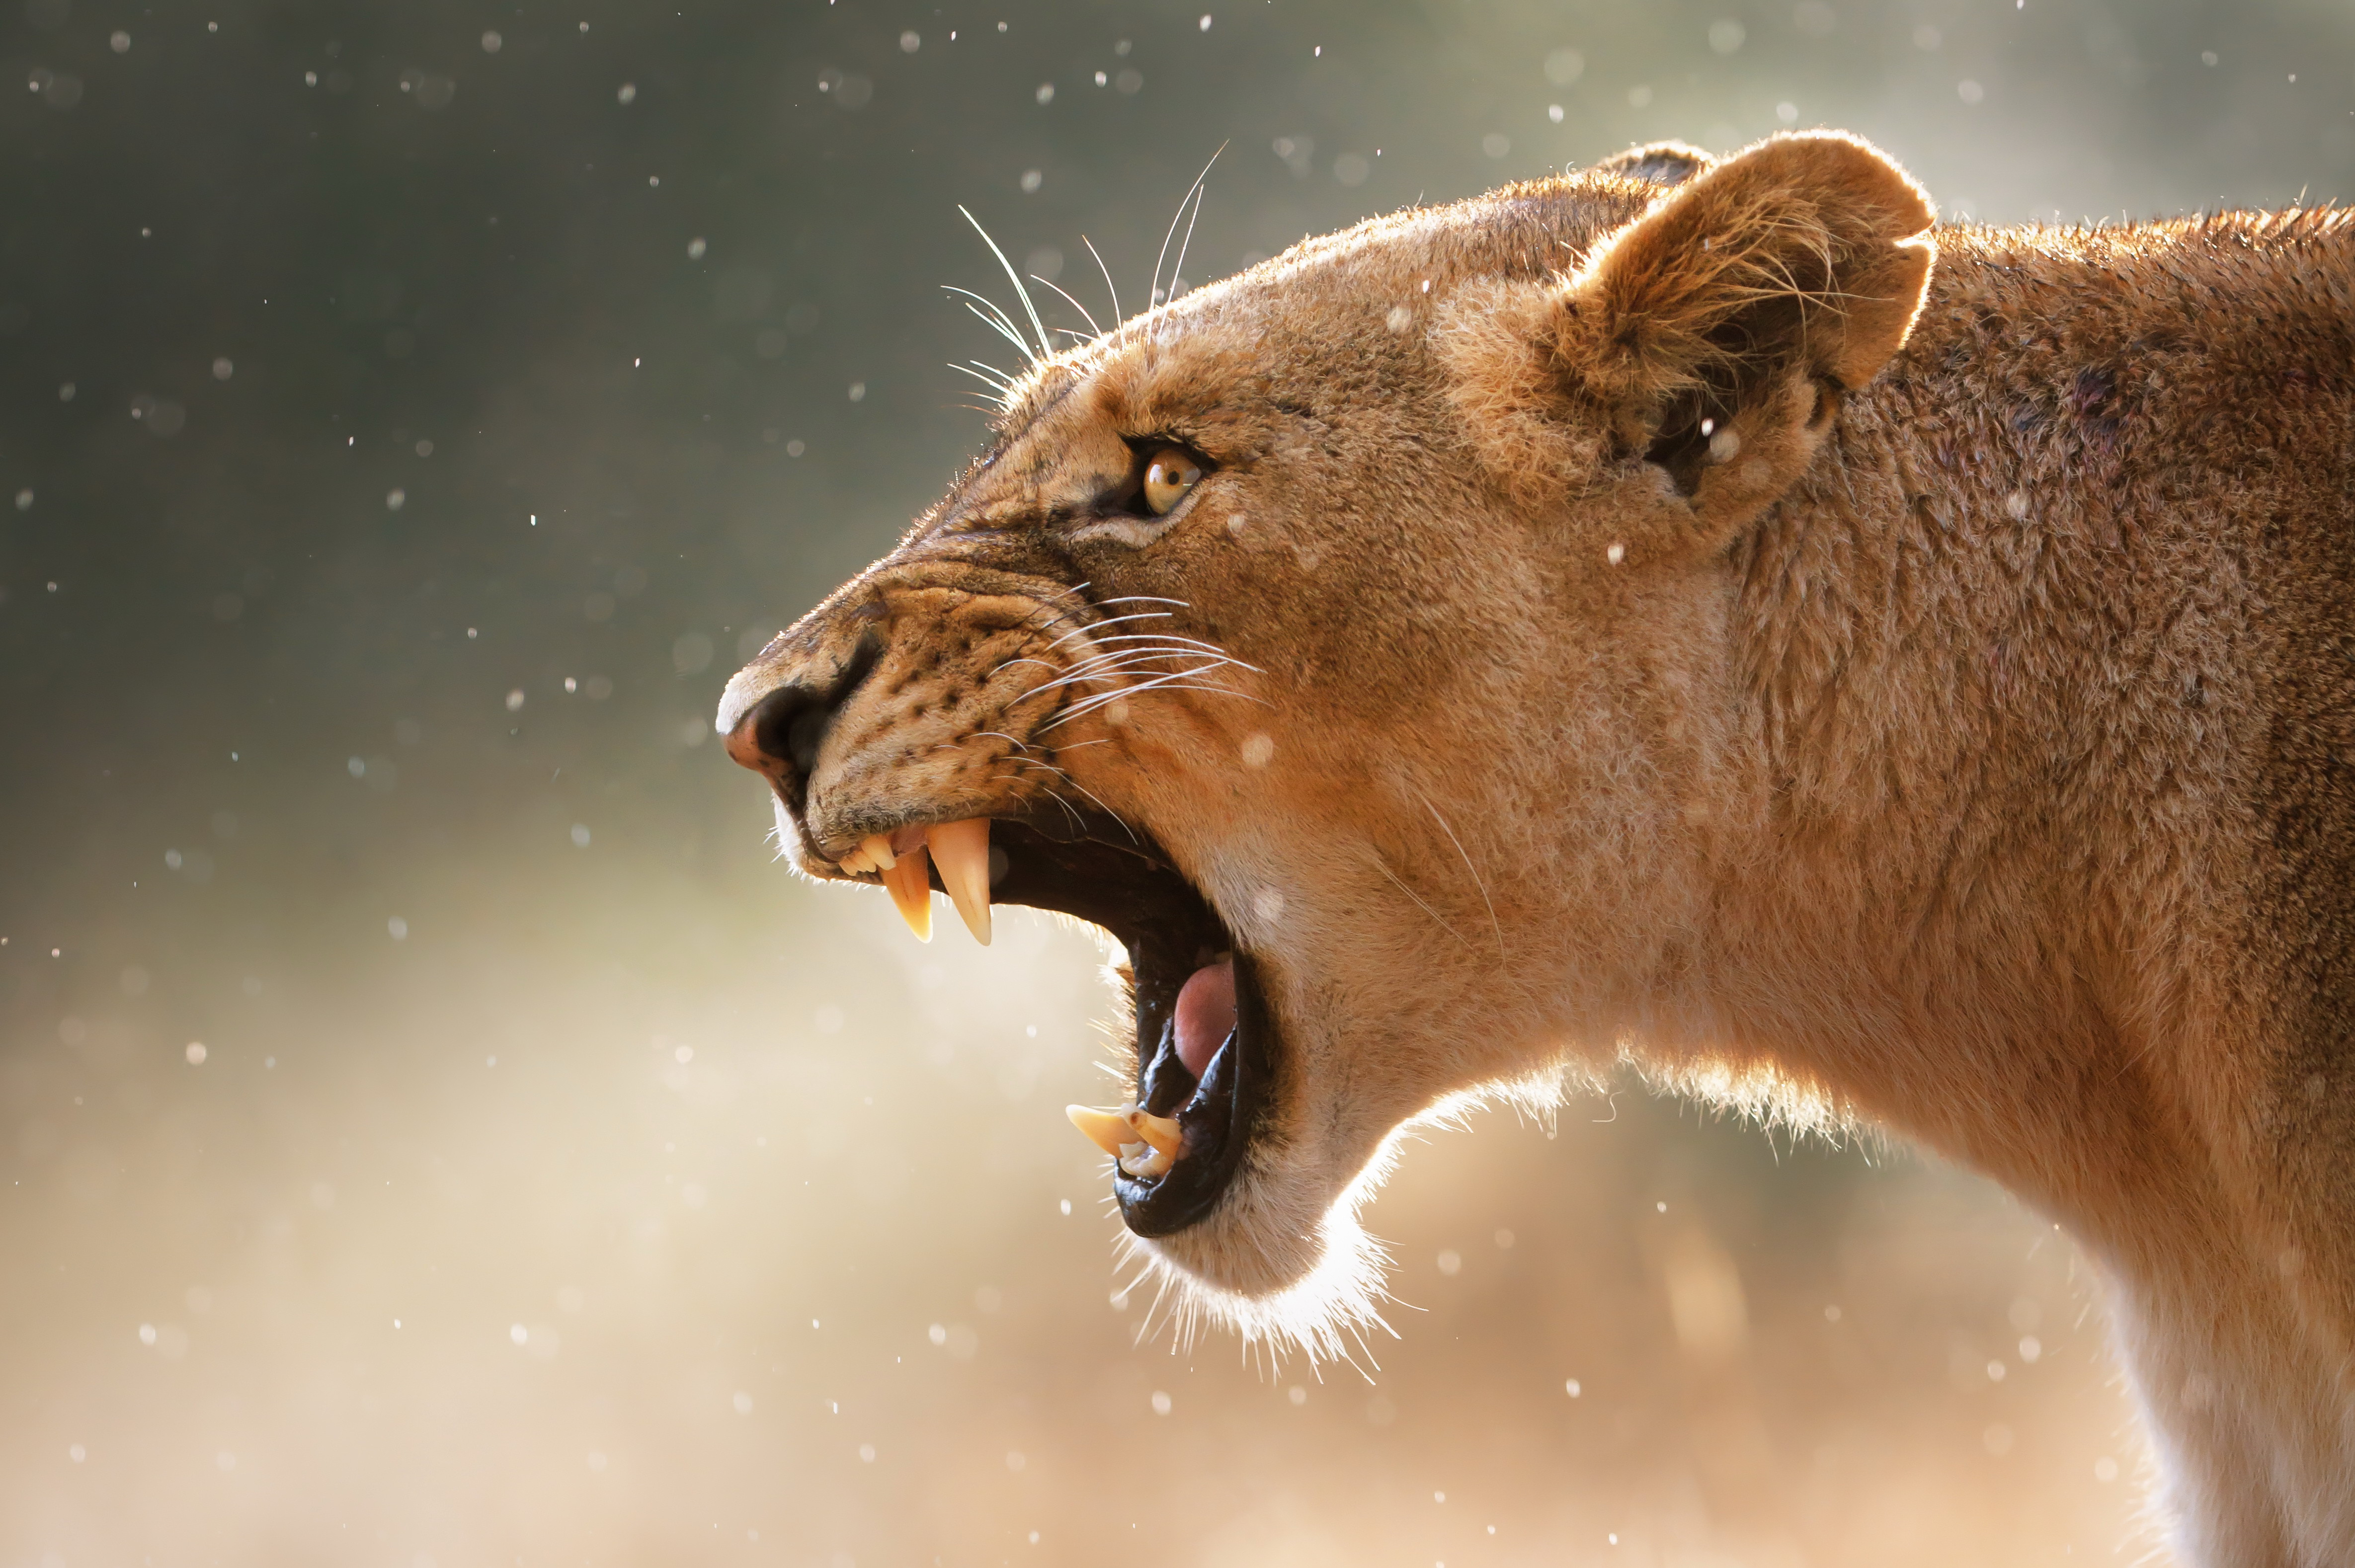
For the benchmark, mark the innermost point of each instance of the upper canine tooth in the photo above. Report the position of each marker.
(1105, 1130)
(961, 851)
(911, 892)
(1161, 1131)
(876, 847)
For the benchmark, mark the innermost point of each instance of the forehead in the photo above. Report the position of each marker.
(1285, 324)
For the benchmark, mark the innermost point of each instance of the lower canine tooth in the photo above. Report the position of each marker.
(1146, 1162)
(1161, 1131)
(911, 892)
(961, 851)
(1106, 1129)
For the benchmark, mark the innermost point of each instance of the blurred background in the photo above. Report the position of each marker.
(432, 1131)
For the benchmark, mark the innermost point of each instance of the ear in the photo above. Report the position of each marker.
(1727, 320)
(1661, 162)
(1692, 364)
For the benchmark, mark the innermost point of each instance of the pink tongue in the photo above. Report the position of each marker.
(1206, 1013)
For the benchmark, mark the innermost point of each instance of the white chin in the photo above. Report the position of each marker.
(1309, 1284)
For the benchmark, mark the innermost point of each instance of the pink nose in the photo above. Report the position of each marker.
(779, 736)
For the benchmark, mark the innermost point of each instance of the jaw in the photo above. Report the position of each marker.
(1115, 877)
(1253, 1225)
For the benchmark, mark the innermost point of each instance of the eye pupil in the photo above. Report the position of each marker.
(1168, 478)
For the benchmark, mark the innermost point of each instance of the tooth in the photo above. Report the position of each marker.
(1147, 1163)
(911, 892)
(857, 861)
(961, 851)
(1106, 1129)
(1161, 1131)
(876, 847)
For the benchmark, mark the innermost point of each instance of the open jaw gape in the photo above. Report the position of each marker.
(1203, 1037)
(1694, 608)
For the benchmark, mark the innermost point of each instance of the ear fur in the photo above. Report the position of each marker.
(1807, 252)
(1661, 162)
(1725, 320)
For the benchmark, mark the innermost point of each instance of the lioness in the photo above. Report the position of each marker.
(1696, 611)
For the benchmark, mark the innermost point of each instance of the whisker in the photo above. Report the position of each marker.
(1383, 866)
(1072, 302)
(1116, 620)
(1190, 190)
(1161, 679)
(997, 735)
(1028, 308)
(1090, 705)
(996, 317)
(1000, 387)
(1095, 659)
(1173, 642)
(1092, 795)
(1474, 870)
(1104, 665)
(980, 374)
(1117, 319)
(1003, 332)
(1123, 658)
(1055, 795)
(1183, 246)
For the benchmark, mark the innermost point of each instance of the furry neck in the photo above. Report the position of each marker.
(2053, 844)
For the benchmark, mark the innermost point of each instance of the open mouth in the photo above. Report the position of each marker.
(1204, 1039)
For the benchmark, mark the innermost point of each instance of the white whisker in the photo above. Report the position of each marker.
(1117, 319)
(1190, 191)
(1000, 387)
(1003, 332)
(1073, 304)
(1028, 309)
(1183, 246)
(983, 374)
(1476, 880)
(1116, 620)
(1101, 699)
(1383, 866)
(996, 317)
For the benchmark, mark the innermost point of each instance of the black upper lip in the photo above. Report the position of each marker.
(1102, 873)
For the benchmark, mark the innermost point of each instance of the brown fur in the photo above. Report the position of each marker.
(1955, 732)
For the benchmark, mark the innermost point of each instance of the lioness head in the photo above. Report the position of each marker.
(1350, 641)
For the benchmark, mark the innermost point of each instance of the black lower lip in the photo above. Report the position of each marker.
(1101, 872)
(1217, 1115)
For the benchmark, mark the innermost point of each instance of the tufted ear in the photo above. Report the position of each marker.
(1692, 363)
(1728, 319)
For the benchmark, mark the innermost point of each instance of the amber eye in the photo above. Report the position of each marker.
(1168, 475)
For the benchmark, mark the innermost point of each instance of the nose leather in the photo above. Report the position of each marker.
(781, 736)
